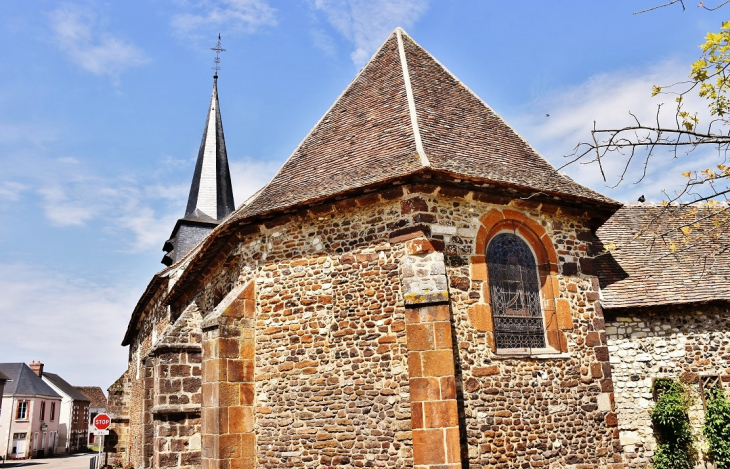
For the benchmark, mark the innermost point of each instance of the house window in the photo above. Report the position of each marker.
(53, 411)
(22, 411)
(43, 410)
(515, 294)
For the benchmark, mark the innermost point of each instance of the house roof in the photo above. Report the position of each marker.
(95, 394)
(403, 114)
(643, 271)
(3, 377)
(24, 381)
(65, 387)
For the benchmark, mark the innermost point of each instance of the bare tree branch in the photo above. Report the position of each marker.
(672, 2)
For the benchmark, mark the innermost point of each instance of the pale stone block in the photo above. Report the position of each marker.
(194, 442)
(629, 438)
(443, 230)
(466, 232)
(604, 402)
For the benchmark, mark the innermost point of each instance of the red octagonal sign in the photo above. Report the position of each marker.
(102, 421)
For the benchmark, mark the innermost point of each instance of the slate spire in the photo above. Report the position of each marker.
(211, 194)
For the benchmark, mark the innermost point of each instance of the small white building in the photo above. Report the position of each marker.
(73, 420)
(30, 413)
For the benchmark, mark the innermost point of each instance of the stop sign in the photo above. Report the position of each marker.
(102, 421)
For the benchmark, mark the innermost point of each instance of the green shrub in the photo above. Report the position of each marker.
(717, 426)
(671, 424)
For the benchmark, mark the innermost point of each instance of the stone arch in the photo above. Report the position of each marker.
(556, 311)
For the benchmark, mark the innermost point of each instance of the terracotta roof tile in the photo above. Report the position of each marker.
(95, 395)
(461, 134)
(644, 272)
(367, 137)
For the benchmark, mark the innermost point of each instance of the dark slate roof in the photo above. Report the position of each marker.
(224, 191)
(24, 381)
(95, 394)
(369, 136)
(65, 387)
(3, 377)
(644, 271)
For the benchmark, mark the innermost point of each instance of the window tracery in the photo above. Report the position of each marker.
(515, 294)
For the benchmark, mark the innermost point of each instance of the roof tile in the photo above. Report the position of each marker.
(644, 272)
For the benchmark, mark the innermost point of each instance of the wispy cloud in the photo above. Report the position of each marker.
(142, 212)
(28, 133)
(248, 176)
(366, 23)
(11, 190)
(607, 100)
(78, 33)
(207, 17)
(73, 325)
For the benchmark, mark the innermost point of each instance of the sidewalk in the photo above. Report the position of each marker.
(61, 461)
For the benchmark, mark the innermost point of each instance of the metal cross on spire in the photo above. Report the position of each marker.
(218, 49)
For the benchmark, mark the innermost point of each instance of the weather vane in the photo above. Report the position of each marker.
(218, 49)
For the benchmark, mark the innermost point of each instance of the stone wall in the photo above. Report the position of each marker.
(683, 343)
(116, 443)
(334, 385)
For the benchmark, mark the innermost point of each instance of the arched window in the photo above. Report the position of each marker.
(514, 286)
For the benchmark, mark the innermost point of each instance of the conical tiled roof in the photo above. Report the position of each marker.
(403, 114)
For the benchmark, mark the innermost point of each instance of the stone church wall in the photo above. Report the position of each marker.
(331, 382)
(328, 337)
(331, 354)
(689, 343)
(523, 411)
(116, 444)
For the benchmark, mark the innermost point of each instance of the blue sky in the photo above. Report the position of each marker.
(102, 107)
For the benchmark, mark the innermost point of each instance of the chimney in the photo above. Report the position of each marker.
(37, 368)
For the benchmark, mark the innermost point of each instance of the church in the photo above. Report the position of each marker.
(417, 287)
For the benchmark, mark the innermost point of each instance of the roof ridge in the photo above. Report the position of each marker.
(484, 103)
(411, 102)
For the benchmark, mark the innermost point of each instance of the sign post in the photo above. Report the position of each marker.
(101, 423)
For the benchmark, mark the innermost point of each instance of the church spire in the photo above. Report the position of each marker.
(210, 191)
(211, 194)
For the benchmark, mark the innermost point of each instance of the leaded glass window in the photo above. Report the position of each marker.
(515, 291)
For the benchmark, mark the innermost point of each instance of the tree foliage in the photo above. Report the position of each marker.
(717, 426)
(670, 419)
(699, 209)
